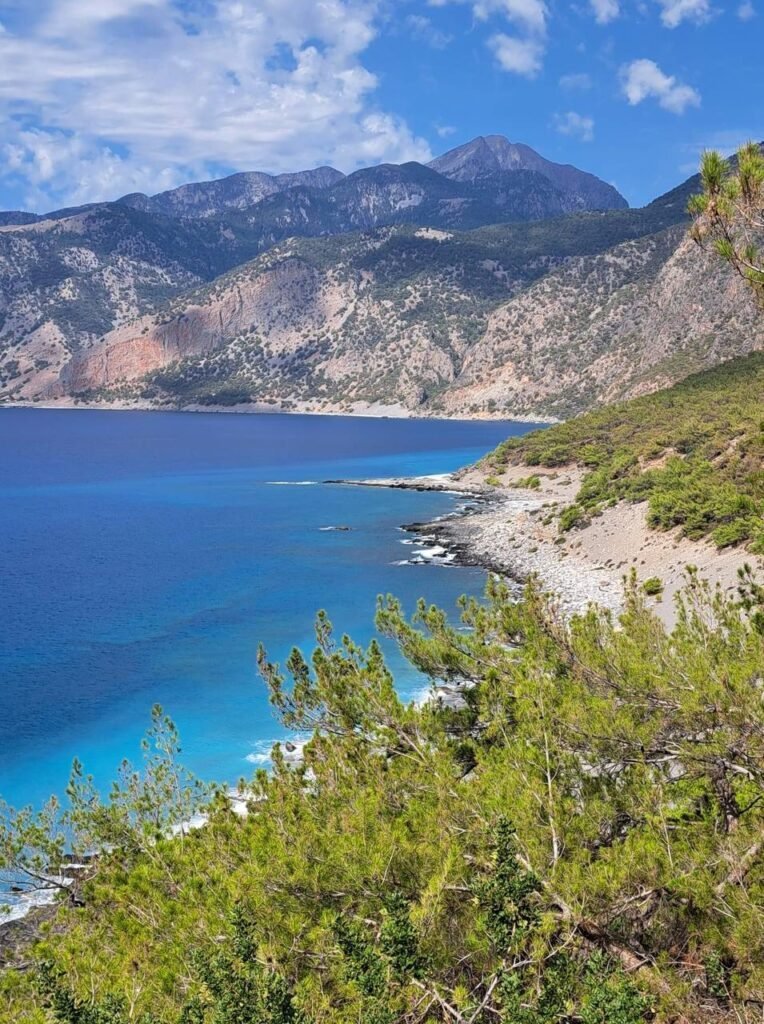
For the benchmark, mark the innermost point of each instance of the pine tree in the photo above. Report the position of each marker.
(728, 216)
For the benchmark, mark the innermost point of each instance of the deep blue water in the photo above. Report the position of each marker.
(144, 555)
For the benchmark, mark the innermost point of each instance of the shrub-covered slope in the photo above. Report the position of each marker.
(695, 452)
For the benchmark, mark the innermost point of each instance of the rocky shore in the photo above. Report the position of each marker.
(17, 936)
(511, 526)
(505, 534)
(509, 531)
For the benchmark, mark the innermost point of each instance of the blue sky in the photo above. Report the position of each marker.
(103, 97)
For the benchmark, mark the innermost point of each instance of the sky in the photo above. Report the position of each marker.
(103, 97)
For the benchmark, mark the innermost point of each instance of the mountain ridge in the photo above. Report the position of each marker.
(538, 319)
(395, 286)
(238, 191)
(233, 192)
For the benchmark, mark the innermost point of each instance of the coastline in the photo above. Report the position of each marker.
(499, 531)
(363, 410)
(500, 535)
(508, 531)
(513, 531)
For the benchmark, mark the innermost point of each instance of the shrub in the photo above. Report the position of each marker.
(708, 429)
(573, 515)
(532, 482)
(653, 586)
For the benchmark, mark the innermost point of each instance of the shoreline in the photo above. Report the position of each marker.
(499, 536)
(507, 531)
(501, 532)
(513, 531)
(361, 411)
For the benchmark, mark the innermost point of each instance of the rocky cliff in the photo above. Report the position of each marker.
(367, 289)
(501, 321)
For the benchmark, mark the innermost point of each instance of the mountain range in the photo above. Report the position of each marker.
(490, 282)
(489, 171)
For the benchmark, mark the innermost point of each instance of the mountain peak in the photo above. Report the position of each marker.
(485, 154)
(489, 155)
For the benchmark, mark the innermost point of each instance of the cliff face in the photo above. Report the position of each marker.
(286, 299)
(637, 318)
(65, 282)
(436, 322)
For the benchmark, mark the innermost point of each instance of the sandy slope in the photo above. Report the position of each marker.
(516, 532)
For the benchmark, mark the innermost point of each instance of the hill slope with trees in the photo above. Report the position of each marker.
(574, 835)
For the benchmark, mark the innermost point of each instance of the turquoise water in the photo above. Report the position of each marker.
(144, 555)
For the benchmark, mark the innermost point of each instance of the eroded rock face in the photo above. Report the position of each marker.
(287, 298)
(549, 339)
(598, 329)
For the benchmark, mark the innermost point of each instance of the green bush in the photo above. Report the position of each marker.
(653, 586)
(573, 515)
(532, 482)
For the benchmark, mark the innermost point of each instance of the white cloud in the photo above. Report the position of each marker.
(521, 56)
(444, 130)
(529, 15)
(674, 12)
(577, 125)
(102, 98)
(580, 81)
(422, 28)
(643, 79)
(605, 10)
(57, 167)
(746, 11)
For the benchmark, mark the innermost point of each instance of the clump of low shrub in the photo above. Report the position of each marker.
(573, 515)
(532, 482)
(653, 586)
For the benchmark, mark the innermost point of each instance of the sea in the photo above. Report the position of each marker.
(144, 555)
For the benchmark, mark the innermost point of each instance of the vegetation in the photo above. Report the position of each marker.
(728, 215)
(532, 482)
(578, 839)
(694, 452)
(653, 586)
(573, 836)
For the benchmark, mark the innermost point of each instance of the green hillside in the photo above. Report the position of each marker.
(695, 452)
